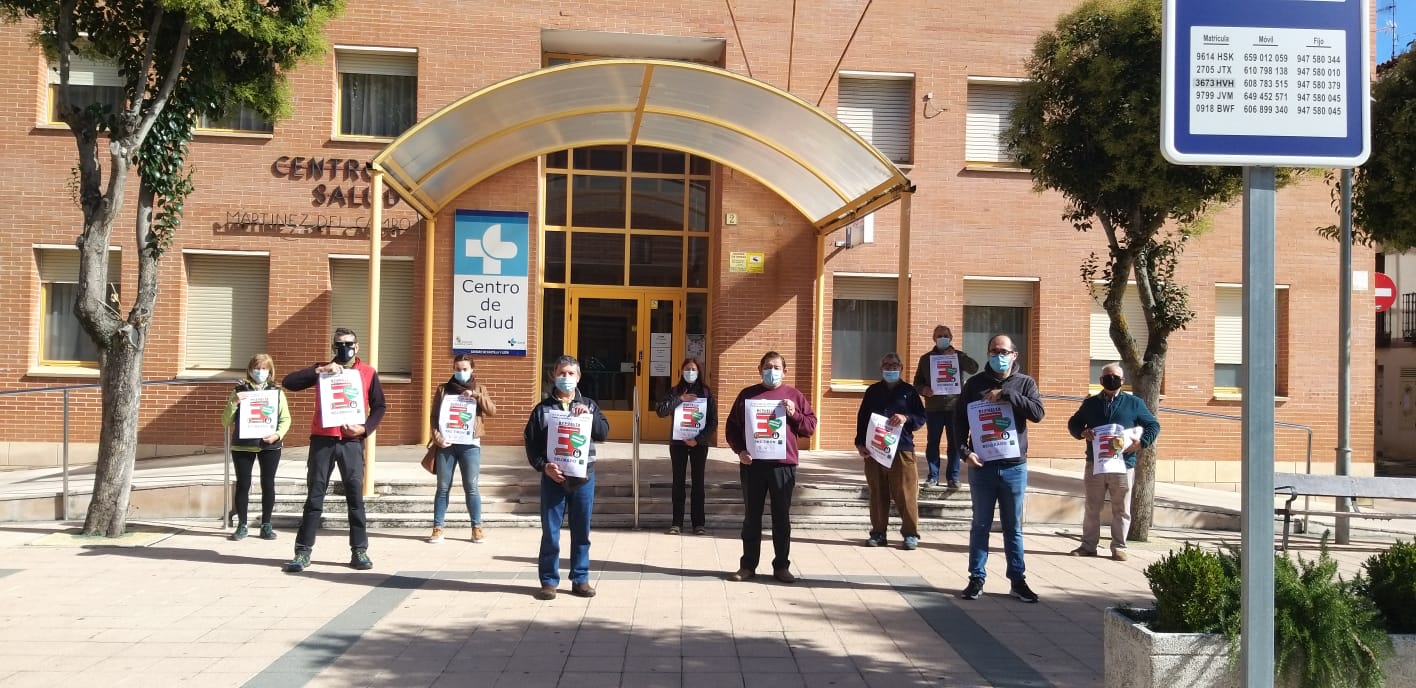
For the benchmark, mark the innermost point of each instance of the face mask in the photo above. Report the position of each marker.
(999, 362)
(772, 377)
(690, 376)
(1111, 383)
(344, 352)
(566, 383)
(890, 375)
(260, 375)
(942, 342)
(462, 375)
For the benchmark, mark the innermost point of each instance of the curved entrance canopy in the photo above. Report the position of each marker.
(804, 155)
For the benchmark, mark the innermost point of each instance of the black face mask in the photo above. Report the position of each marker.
(1111, 383)
(343, 352)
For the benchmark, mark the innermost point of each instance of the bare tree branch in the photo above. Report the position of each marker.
(169, 82)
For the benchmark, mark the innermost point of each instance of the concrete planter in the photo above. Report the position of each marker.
(1136, 657)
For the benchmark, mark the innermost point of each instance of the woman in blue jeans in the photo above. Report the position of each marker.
(465, 452)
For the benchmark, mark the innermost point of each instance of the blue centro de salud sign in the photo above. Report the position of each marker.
(1266, 82)
(491, 290)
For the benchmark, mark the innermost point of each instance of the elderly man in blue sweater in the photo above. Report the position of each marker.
(1117, 425)
(902, 408)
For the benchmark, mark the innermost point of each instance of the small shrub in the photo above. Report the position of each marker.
(1192, 591)
(1326, 633)
(1389, 580)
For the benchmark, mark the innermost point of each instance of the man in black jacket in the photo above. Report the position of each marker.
(994, 411)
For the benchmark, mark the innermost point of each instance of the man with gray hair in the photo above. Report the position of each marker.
(900, 405)
(1108, 421)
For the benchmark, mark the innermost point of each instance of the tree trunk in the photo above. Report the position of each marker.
(121, 380)
(1147, 387)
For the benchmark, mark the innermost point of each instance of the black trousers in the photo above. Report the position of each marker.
(760, 479)
(325, 454)
(682, 456)
(245, 463)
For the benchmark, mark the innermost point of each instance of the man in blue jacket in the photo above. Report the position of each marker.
(900, 404)
(1118, 413)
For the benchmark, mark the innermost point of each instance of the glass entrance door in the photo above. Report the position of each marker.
(629, 343)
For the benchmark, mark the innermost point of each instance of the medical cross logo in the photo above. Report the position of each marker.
(492, 248)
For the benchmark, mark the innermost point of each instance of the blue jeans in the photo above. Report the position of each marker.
(1004, 486)
(469, 458)
(941, 425)
(556, 506)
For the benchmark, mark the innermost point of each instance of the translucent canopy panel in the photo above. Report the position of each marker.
(813, 161)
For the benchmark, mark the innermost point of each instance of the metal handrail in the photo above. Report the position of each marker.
(65, 389)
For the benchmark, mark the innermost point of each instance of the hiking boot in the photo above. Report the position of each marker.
(267, 531)
(784, 575)
(743, 574)
(547, 592)
(700, 530)
(437, 535)
(477, 536)
(911, 542)
(1083, 552)
(1022, 591)
(582, 589)
(299, 563)
(974, 588)
(953, 484)
(876, 540)
(674, 530)
(240, 533)
(359, 560)
(1119, 554)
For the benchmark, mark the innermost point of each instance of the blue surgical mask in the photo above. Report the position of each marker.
(999, 362)
(566, 383)
(462, 375)
(890, 375)
(942, 342)
(260, 375)
(772, 377)
(690, 376)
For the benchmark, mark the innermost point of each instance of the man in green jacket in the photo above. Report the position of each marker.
(1117, 416)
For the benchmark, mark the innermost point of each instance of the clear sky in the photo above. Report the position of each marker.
(1403, 14)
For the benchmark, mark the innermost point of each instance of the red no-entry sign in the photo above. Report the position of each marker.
(1385, 292)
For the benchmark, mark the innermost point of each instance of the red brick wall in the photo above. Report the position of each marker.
(963, 223)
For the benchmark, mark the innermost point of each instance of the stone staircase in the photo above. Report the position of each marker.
(409, 504)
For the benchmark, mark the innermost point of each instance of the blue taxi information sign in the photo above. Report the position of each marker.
(1266, 83)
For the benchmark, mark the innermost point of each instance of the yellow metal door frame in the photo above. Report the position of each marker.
(652, 428)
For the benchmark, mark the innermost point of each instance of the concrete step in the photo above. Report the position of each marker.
(721, 525)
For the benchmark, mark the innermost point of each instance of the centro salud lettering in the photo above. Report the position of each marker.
(475, 287)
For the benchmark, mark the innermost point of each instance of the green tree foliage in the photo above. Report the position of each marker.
(1384, 189)
(180, 59)
(1088, 126)
(1194, 593)
(1389, 579)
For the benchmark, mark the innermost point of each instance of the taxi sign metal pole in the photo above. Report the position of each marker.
(1256, 633)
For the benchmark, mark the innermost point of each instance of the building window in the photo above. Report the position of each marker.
(240, 118)
(227, 295)
(990, 111)
(879, 107)
(349, 307)
(1229, 340)
(863, 317)
(62, 340)
(378, 91)
(999, 306)
(90, 81)
(1103, 350)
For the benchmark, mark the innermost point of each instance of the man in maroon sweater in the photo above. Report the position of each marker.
(763, 427)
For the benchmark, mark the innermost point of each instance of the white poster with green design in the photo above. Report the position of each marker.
(568, 442)
(258, 416)
(457, 419)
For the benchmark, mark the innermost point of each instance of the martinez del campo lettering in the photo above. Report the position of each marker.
(334, 170)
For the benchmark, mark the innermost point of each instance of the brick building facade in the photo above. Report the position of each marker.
(987, 251)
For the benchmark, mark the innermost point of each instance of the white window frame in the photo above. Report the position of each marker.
(227, 342)
(395, 344)
(860, 114)
(987, 115)
(388, 61)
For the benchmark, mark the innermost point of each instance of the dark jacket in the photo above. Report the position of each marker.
(1126, 410)
(1019, 390)
(671, 401)
(886, 400)
(940, 403)
(535, 432)
(306, 378)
